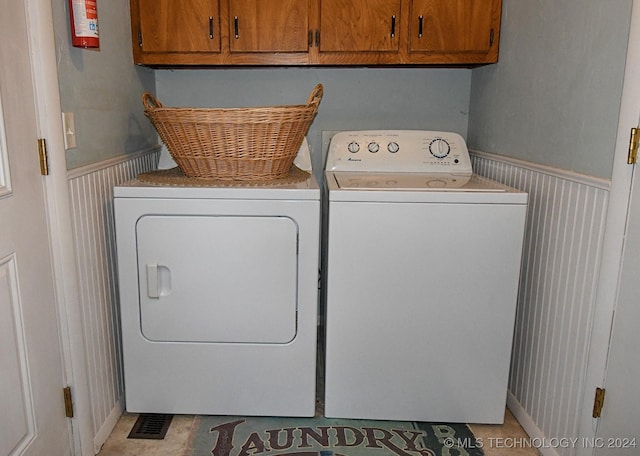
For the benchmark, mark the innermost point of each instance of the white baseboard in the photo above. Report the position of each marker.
(107, 427)
(533, 431)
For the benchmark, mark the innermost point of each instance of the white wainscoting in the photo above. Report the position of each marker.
(561, 259)
(91, 193)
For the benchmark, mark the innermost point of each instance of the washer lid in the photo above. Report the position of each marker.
(416, 181)
(416, 188)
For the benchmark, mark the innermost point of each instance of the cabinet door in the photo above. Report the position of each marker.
(452, 26)
(168, 26)
(359, 25)
(269, 25)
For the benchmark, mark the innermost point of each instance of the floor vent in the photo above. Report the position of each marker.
(150, 426)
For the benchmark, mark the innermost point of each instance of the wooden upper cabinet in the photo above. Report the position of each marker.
(454, 26)
(315, 32)
(168, 26)
(359, 25)
(269, 25)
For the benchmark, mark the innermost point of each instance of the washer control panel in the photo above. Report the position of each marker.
(416, 151)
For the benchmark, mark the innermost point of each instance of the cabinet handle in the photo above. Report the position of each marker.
(310, 38)
(420, 19)
(491, 38)
(210, 27)
(317, 38)
(235, 27)
(393, 26)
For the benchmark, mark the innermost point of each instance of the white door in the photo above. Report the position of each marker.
(31, 379)
(619, 431)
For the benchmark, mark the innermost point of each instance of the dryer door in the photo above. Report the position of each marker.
(217, 278)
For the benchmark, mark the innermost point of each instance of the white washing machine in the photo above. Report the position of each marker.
(423, 264)
(219, 297)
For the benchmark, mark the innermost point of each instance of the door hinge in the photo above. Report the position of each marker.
(598, 402)
(42, 153)
(633, 147)
(68, 402)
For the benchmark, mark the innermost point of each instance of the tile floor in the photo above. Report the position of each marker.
(498, 440)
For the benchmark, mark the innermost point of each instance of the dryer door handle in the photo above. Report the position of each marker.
(152, 281)
(158, 280)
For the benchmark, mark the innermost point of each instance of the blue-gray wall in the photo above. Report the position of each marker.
(354, 98)
(554, 96)
(102, 88)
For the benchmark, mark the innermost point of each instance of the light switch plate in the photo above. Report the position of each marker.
(69, 127)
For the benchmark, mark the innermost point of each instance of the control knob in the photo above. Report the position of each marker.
(353, 147)
(393, 147)
(439, 148)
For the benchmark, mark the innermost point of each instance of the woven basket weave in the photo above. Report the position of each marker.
(233, 143)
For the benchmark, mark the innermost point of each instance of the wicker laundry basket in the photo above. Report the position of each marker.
(233, 143)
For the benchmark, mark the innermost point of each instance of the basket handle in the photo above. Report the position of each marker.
(315, 96)
(150, 102)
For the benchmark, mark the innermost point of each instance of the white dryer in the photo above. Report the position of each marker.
(423, 264)
(219, 297)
